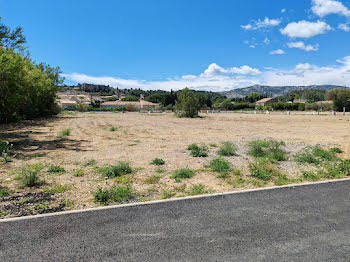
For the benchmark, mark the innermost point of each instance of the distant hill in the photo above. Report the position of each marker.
(274, 90)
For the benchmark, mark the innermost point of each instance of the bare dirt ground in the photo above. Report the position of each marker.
(138, 139)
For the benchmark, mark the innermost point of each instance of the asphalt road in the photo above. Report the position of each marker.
(304, 223)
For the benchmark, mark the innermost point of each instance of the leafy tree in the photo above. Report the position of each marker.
(130, 98)
(187, 104)
(13, 39)
(340, 97)
(253, 97)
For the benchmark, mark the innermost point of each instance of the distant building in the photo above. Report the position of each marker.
(325, 102)
(266, 101)
(67, 104)
(139, 105)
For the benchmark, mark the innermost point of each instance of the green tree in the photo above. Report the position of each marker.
(340, 97)
(9, 38)
(253, 97)
(187, 104)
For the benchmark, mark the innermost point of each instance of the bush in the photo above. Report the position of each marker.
(340, 97)
(158, 162)
(115, 194)
(179, 174)
(122, 168)
(227, 149)
(220, 165)
(29, 175)
(268, 149)
(130, 98)
(263, 170)
(198, 151)
(315, 155)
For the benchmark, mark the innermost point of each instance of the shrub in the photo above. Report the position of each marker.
(58, 189)
(220, 165)
(268, 149)
(79, 172)
(4, 191)
(122, 168)
(263, 170)
(315, 155)
(29, 175)
(55, 169)
(153, 179)
(227, 149)
(179, 174)
(115, 194)
(158, 162)
(64, 133)
(198, 151)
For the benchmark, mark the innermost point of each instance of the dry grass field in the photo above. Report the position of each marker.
(138, 139)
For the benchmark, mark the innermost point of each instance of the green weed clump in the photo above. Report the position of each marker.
(4, 191)
(152, 180)
(64, 133)
(79, 172)
(29, 175)
(263, 170)
(158, 162)
(336, 150)
(180, 174)
(58, 188)
(115, 194)
(90, 162)
(55, 169)
(166, 193)
(198, 150)
(112, 129)
(315, 155)
(220, 165)
(268, 149)
(227, 149)
(122, 168)
(198, 190)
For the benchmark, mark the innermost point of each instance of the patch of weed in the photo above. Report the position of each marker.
(166, 193)
(79, 172)
(58, 188)
(64, 133)
(315, 155)
(122, 168)
(29, 175)
(198, 190)
(263, 170)
(180, 174)
(227, 149)
(268, 149)
(160, 170)
(220, 165)
(157, 162)
(152, 180)
(115, 194)
(198, 150)
(4, 191)
(112, 129)
(90, 162)
(53, 169)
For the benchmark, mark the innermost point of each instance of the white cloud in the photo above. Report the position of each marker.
(277, 52)
(305, 29)
(344, 27)
(266, 41)
(215, 70)
(302, 74)
(252, 46)
(267, 22)
(326, 7)
(283, 10)
(301, 45)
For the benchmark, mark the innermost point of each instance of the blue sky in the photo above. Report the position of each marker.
(203, 44)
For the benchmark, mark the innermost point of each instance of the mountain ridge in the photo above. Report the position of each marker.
(274, 90)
